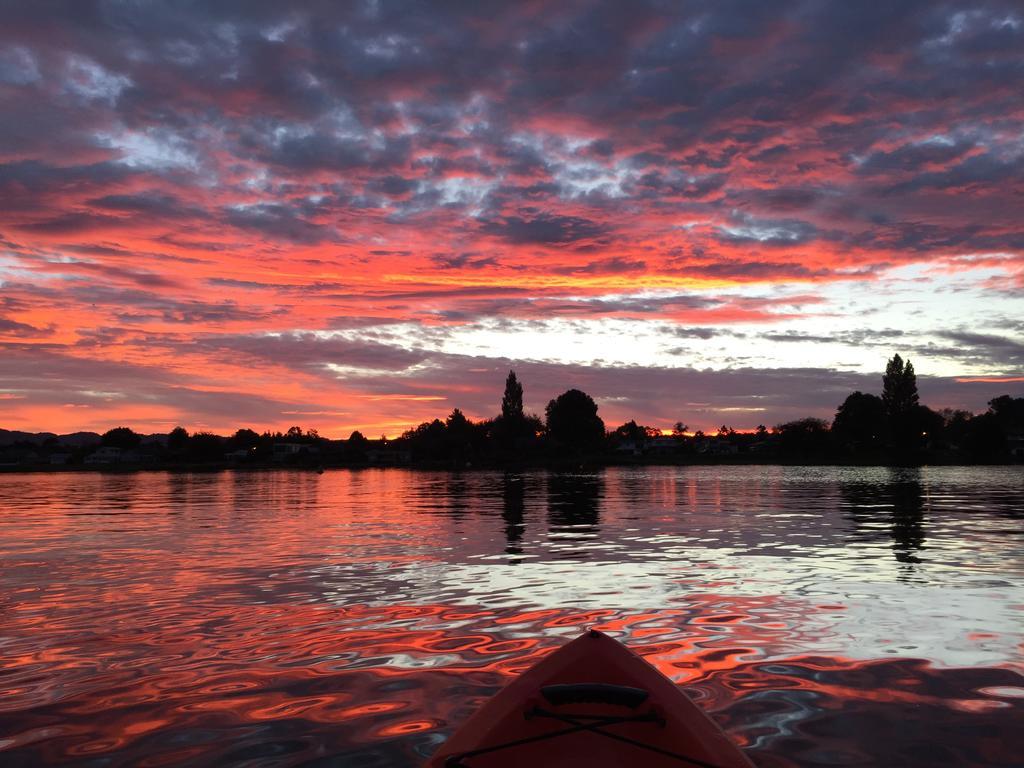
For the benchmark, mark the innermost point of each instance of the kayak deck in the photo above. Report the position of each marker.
(591, 703)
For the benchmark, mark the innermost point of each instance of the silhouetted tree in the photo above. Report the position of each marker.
(512, 400)
(927, 424)
(808, 437)
(457, 422)
(987, 437)
(427, 441)
(205, 446)
(243, 439)
(1009, 412)
(900, 398)
(458, 437)
(513, 429)
(355, 448)
(294, 433)
(177, 440)
(984, 439)
(860, 421)
(572, 421)
(761, 432)
(899, 387)
(121, 437)
(679, 429)
(637, 432)
(954, 426)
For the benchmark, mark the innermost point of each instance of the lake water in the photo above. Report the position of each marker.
(823, 616)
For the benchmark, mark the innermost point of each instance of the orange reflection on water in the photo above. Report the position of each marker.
(281, 619)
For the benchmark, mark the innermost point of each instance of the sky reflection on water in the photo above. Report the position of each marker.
(854, 616)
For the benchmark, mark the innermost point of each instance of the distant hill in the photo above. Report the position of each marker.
(9, 437)
(74, 440)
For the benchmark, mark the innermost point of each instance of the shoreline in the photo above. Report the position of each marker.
(585, 464)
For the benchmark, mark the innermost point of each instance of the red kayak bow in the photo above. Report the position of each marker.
(591, 703)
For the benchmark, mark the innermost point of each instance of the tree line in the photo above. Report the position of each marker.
(890, 427)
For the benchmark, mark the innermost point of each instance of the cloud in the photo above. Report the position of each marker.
(217, 180)
(756, 270)
(913, 157)
(393, 185)
(984, 169)
(463, 261)
(613, 266)
(279, 222)
(744, 229)
(35, 176)
(545, 229)
(107, 393)
(1001, 350)
(660, 185)
(16, 329)
(150, 203)
(302, 350)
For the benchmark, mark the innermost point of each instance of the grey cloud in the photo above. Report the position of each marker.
(912, 157)
(745, 228)
(661, 185)
(985, 169)
(278, 220)
(70, 223)
(56, 378)
(463, 261)
(755, 270)
(393, 185)
(616, 265)
(310, 351)
(544, 229)
(991, 348)
(152, 203)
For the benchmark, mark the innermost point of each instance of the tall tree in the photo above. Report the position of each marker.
(512, 400)
(900, 399)
(899, 388)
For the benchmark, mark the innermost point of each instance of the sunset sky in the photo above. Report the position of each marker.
(361, 215)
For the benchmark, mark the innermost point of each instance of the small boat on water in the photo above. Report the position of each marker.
(591, 703)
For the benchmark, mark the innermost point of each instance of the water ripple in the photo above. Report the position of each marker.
(824, 616)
